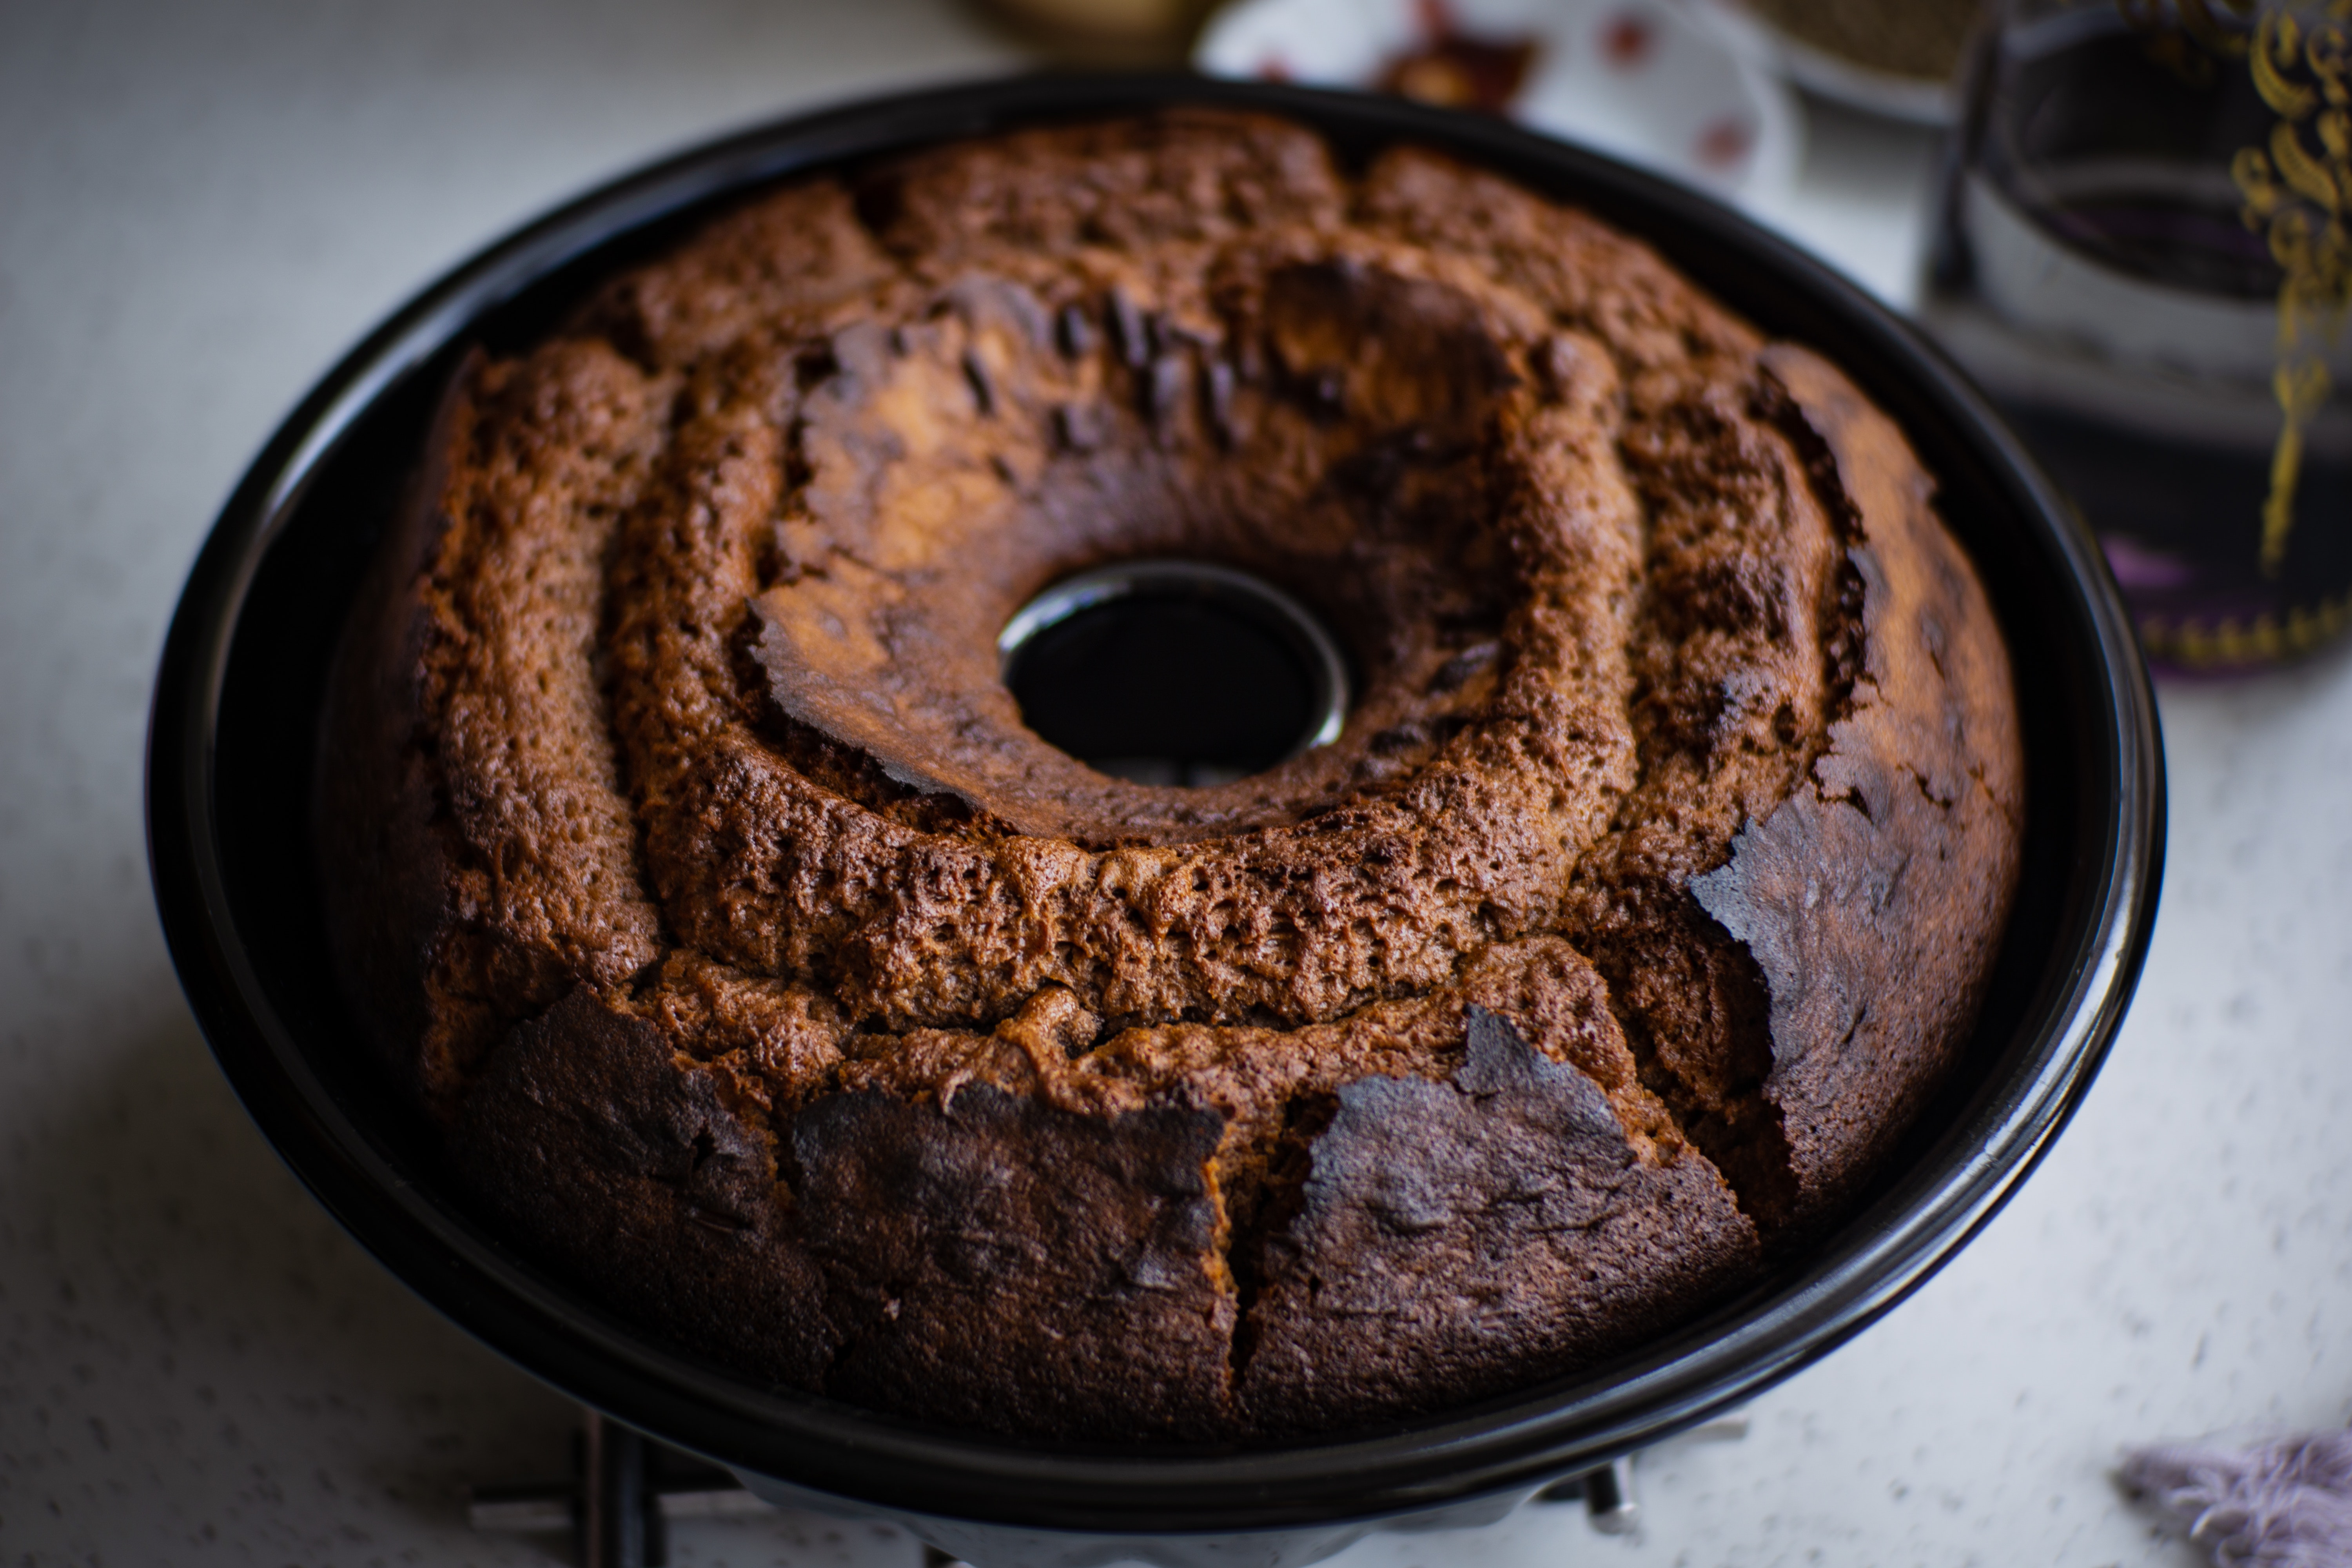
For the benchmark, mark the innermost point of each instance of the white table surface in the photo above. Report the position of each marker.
(201, 207)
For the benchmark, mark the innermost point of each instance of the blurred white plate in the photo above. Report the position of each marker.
(1634, 78)
(1841, 81)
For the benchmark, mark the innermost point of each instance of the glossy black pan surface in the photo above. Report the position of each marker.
(230, 769)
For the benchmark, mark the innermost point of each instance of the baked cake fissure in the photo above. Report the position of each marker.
(690, 861)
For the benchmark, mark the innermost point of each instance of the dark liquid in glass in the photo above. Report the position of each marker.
(2096, 273)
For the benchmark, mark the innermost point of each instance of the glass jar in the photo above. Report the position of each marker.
(2143, 255)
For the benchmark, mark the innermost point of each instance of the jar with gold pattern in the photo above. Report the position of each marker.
(2144, 255)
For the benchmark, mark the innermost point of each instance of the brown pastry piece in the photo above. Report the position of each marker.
(1475, 1234)
(686, 857)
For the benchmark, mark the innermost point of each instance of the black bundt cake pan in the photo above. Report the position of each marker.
(229, 794)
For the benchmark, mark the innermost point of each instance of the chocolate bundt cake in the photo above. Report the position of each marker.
(687, 854)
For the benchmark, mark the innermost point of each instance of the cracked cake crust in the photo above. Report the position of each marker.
(687, 859)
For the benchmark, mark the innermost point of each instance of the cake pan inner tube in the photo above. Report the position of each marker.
(1174, 672)
(230, 750)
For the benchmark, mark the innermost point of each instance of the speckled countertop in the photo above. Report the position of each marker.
(202, 206)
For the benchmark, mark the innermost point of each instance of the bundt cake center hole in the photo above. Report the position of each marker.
(1174, 672)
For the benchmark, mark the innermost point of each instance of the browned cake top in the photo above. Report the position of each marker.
(681, 698)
